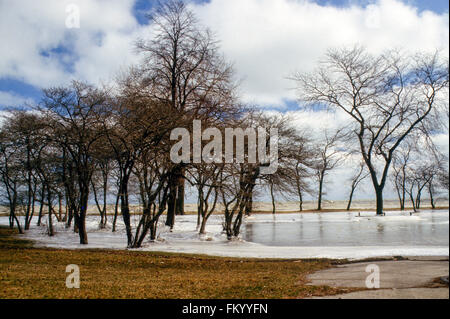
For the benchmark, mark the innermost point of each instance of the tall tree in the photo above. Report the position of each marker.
(328, 158)
(400, 165)
(137, 124)
(356, 179)
(73, 114)
(10, 175)
(185, 71)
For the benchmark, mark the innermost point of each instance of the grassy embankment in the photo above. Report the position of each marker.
(28, 272)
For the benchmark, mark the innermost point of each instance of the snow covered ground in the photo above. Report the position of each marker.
(326, 235)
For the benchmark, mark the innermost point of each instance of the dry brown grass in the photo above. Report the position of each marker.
(27, 272)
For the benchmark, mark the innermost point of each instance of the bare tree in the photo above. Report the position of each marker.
(100, 179)
(72, 114)
(237, 183)
(10, 176)
(441, 178)
(239, 180)
(299, 165)
(301, 177)
(48, 166)
(185, 71)
(400, 165)
(153, 172)
(136, 125)
(205, 177)
(436, 168)
(279, 183)
(328, 158)
(357, 178)
(21, 128)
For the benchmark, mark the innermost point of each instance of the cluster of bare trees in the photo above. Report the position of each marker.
(419, 168)
(83, 144)
(387, 99)
(87, 146)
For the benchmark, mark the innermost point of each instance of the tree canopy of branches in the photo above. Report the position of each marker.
(72, 115)
(183, 69)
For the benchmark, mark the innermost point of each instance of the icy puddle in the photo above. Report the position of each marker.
(348, 229)
(294, 236)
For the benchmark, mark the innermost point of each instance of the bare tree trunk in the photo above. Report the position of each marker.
(171, 206)
(153, 230)
(379, 200)
(116, 212)
(29, 203)
(237, 223)
(180, 196)
(319, 201)
(249, 206)
(50, 218)
(60, 207)
(412, 201)
(300, 197)
(12, 211)
(199, 211)
(41, 207)
(401, 199)
(80, 219)
(228, 223)
(203, 225)
(351, 198)
(430, 191)
(33, 202)
(66, 212)
(402, 206)
(101, 207)
(69, 217)
(125, 210)
(19, 228)
(273, 199)
(104, 218)
(418, 199)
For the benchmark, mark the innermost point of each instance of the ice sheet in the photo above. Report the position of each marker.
(326, 235)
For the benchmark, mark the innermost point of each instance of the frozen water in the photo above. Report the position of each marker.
(326, 235)
(347, 229)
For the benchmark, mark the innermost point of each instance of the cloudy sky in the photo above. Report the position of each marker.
(266, 40)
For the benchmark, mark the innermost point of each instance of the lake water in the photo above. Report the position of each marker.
(429, 228)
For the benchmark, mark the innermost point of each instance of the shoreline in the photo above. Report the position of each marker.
(185, 239)
(280, 212)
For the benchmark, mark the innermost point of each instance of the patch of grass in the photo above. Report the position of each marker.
(27, 272)
(8, 240)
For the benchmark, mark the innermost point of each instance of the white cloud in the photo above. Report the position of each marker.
(269, 39)
(441, 141)
(10, 99)
(94, 52)
(266, 39)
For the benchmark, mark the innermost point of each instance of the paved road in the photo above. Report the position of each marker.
(398, 279)
(409, 293)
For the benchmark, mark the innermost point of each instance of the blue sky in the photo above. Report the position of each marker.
(63, 55)
(437, 6)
